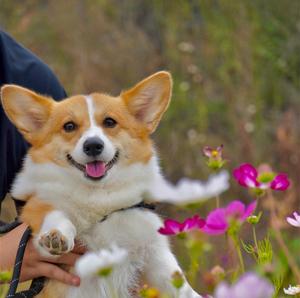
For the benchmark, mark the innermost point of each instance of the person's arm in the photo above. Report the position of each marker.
(21, 67)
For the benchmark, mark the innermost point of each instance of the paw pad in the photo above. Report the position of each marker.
(54, 242)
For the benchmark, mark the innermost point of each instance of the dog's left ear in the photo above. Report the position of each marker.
(149, 99)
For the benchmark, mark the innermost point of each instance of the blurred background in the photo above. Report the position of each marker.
(235, 65)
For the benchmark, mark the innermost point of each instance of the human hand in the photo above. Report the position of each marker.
(34, 265)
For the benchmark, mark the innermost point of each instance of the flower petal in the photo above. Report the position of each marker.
(246, 175)
(91, 262)
(236, 209)
(189, 224)
(201, 223)
(220, 149)
(207, 151)
(171, 227)
(216, 222)
(251, 285)
(292, 290)
(166, 231)
(280, 182)
(246, 169)
(293, 222)
(189, 191)
(223, 291)
(249, 210)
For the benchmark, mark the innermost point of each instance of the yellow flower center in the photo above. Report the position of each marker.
(214, 153)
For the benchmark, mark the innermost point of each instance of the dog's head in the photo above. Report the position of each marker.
(90, 134)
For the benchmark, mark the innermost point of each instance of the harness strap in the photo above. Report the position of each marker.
(141, 204)
(7, 227)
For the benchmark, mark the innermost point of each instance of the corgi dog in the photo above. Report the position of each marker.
(90, 162)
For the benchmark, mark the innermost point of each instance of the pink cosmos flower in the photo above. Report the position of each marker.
(248, 176)
(219, 220)
(173, 227)
(211, 152)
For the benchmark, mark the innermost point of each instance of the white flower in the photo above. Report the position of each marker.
(93, 262)
(294, 221)
(292, 290)
(189, 191)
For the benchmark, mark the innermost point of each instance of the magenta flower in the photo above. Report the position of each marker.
(247, 176)
(219, 220)
(173, 227)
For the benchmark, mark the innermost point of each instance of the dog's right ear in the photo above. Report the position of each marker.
(27, 110)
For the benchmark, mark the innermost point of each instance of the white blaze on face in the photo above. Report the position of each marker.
(109, 150)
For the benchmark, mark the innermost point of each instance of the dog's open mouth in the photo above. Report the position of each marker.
(96, 169)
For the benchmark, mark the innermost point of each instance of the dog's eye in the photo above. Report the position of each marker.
(109, 122)
(70, 126)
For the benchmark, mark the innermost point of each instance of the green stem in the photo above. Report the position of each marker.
(238, 248)
(239, 252)
(195, 250)
(255, 238)
(192, 273)
(218, 201)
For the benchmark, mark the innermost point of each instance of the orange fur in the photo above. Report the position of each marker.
(34, 213)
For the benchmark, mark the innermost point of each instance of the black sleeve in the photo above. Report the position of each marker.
(19, 66)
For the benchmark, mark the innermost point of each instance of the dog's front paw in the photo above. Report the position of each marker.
(55, 243)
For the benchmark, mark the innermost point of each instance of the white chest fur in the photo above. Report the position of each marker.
(85, 203)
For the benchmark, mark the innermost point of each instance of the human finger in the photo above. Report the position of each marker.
(66, 259)
(54, 272)
(79, 248)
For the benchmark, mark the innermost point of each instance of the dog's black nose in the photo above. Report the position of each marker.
(93, 146)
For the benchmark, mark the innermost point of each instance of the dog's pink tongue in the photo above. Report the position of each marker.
(95, 169)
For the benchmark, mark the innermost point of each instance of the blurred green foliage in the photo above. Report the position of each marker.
(236, 67)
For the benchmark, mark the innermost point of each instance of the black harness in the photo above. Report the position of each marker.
(38, 283)
(142, 204)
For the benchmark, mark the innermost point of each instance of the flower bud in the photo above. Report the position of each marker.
(254, 219)
(177, 280)
(218, 274)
